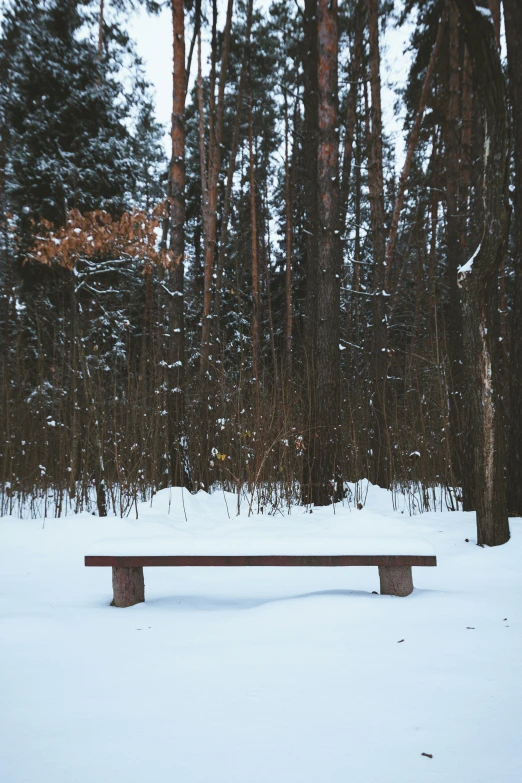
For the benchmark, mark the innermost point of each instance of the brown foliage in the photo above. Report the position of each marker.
(97, 235)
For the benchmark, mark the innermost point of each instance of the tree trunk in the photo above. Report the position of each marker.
(494, 7)
(460, 449)
(478, 280)
(195, 34)
(325, 474)
(465, 140)
(202, 150)
(214, 164)
(100, 30)
(463, 450)
(351, 109)
(176, 350)
(412, 144)
(311, 221)
(452, 144)
(379, 435)
(513, 20)
(288, 254)
(255, 264)
(266, 255)
(232, 161)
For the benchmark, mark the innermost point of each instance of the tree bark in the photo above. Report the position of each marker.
(175, 371)
(311, 220)
(478, 280)
(452, 140)
(494, 7)
(453, 310)
(325, 474)
(513, 22)
(462, 451)
(379, 435)
(465, 140)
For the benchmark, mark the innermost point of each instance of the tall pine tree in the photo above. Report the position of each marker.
(68, 140)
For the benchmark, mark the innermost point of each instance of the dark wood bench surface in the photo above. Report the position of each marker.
(129, 586)
(139, 561)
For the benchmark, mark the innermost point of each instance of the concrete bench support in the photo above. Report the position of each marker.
(396, 580)
(128, 586)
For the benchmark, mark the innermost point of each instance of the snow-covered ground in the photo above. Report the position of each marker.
(259, 675)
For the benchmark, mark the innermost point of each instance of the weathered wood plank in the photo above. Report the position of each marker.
(139, 561)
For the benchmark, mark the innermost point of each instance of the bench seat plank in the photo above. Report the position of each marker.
(140, 561)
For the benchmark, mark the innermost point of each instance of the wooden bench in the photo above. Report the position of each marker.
(129, 587)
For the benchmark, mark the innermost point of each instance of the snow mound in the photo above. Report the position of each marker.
(353, 545)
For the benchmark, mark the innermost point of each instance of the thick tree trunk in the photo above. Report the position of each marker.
(478, 280)
(452, 144)
(461, 447)
(325, 473)
(464, 448)
(513, 19)
(176, 349)
(379, 436)
(311, 221)
(210, 169)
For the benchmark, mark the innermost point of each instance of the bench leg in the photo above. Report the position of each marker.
(396, 580)
(128, 586)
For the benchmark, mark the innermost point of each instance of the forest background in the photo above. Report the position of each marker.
(277, 309)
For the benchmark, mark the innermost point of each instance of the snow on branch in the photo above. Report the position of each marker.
(466, 268)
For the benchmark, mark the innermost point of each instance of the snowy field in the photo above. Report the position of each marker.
(259, 675)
